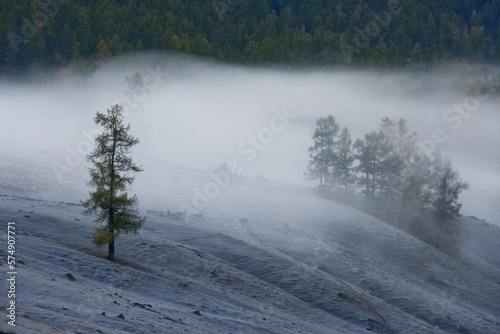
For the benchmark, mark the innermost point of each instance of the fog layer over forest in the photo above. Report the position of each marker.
(196, 114)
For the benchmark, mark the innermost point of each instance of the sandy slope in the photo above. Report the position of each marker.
(260, 258)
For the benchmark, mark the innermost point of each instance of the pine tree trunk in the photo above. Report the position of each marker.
(111, 245)
(111, 222)
(111, 251)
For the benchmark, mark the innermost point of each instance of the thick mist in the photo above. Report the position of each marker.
(196, 114)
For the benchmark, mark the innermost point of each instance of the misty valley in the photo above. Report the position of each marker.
(251, 200)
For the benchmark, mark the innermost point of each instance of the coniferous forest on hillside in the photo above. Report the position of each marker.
(388, 33)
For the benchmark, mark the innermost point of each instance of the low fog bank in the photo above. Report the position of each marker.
(196, 114)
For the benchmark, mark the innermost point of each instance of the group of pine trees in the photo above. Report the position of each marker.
(387, 174)
(55, 33)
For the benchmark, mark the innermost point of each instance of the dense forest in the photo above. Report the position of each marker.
(53, 33)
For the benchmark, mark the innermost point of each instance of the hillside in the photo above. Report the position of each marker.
(347, 32)
(263, 257)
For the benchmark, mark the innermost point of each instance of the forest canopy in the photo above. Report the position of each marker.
(53, 33)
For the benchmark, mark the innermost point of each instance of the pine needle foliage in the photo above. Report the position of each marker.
(111, 173)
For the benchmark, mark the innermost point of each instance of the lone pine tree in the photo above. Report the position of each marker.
(109, 177)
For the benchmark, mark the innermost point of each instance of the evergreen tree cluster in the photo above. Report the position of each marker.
(387, 174)
(357, 32)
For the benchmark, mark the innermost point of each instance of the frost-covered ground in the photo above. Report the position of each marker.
(260, 257)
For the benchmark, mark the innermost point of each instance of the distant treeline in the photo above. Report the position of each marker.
(388, 174)
(53, 33)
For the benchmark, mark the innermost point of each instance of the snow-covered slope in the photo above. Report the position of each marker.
(260, 257)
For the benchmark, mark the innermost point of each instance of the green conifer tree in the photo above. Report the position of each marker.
(109, 177)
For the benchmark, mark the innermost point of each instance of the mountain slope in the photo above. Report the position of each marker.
(262, 257)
